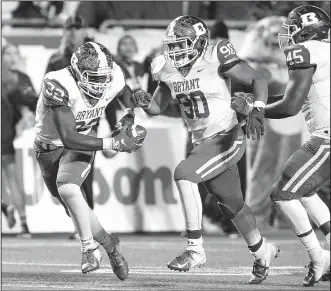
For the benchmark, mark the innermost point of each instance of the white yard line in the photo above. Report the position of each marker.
(148, 268)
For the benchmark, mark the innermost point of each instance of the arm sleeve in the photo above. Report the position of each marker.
(226, 55)
(298, 57)
(54, 94)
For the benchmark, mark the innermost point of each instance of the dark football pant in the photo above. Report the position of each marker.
(61, 166)
(213, 164)
(305, 172)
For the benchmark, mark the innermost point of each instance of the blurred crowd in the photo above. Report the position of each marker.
(18, 95)
(95, 12)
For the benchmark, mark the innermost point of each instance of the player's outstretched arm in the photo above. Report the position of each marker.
(66, 126)
(160, 101)
(156, 104)
(245, 74)
(296, 91)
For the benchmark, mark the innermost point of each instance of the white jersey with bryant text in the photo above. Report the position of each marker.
(316, 107)
(61, 87)
(203, 95)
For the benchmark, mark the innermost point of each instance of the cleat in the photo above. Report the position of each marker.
(91, 260)
(118, 263)
(317, 269)
(25, 233)
(188, 260)
(10, 214)
(261, 266)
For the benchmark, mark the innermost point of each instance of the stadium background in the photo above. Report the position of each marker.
(132, 192)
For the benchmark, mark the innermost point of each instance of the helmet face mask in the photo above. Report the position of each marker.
(93, 68)
(179, 51)
(185, 40)
(288, 39)
(95, 83)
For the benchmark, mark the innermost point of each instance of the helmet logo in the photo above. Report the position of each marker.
(199, 29)
(308, 18)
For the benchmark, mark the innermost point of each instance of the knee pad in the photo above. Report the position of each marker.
(183, 172)
(68, 191)
(229, 208)
(277, 194)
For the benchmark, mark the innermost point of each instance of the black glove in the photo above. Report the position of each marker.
(255, 123)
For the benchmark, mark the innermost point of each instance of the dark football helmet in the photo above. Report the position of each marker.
(92, 64)
(186, 39)
(304, 23)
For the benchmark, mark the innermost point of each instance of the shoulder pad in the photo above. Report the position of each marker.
(54, 94)
(157, 65)
(226, 53)
(298, 57)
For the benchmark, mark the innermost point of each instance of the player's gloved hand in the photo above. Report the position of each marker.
(129, 138)
(255, 123)
(141, 99)
(242, 103)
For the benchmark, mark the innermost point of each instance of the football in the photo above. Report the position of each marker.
(137, 130)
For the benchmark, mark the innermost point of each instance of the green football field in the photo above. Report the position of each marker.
(52, 262)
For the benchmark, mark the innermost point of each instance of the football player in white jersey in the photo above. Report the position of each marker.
(307, 50)
(71, 102)
(197, 75)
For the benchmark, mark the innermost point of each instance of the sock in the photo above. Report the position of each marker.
(245, 223)
(318, 212)
(78, 208)
(194, 234)
(258, 250)
(100, 235)
(311, 244)
(23, 220)
(87, 244)
(194, 244)
(191, 203)
(297, 217)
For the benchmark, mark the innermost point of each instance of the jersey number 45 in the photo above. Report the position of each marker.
(194, 105)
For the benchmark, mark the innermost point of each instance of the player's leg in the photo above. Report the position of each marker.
(205, 161)
(111, 245)
(48, 161)
(226, 188)
(320, 214)
(303, 174)
(74, 167)
(88, 187)
(194, 255)
(9, 173)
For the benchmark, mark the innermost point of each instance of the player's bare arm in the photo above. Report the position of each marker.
(301, 72)
(156, 104)
(125, 98)
(160, 101)
(233, 67)
(65, 124)
(245, 74)
(295, 93)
